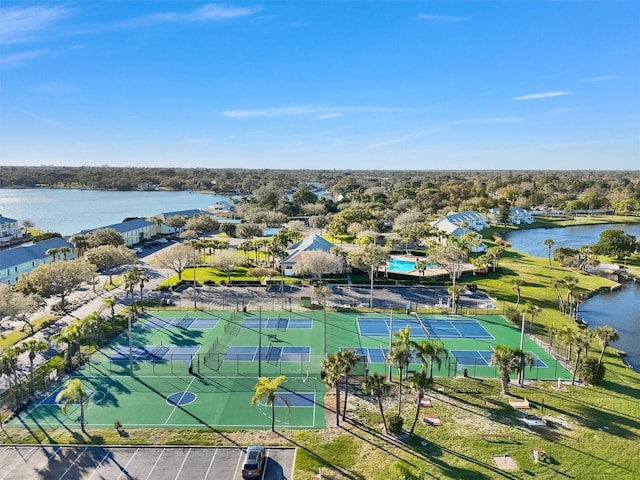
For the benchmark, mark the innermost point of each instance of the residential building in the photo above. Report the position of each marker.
(9, 230)
(517, 216)
(18, 260)
(133, 231)
(312, 242)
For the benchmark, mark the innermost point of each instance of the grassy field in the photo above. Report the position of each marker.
(590, 432)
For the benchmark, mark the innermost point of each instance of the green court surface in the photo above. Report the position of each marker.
(198, 369)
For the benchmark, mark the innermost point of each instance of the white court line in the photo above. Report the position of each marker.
(155, 463)
(183, 462)
(178, 403)
(215, 452)
(73, 463)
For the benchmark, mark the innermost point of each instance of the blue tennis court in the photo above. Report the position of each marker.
(281, 323)
(152, 353)
(295, 399)
(193, 323)
(268, 353)
(373, 354)
(423, 328)
(483, 357)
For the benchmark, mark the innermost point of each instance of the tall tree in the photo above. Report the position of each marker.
(109, 258)
(32, 346)
(348, 358)
(317, 263)
(400, 355)
(177, 258)
(549, 243)
(376, 386)
(455, 291)
(73, 393)
(69, 336)
(56, 279)
(420, 382)
(452, 259)
(332, 371)
(503, 357)
(517, 284)
(580, 344)
(615, 243)
(265, 389)
(110, 303)
(605, 336)
(369, 258)
(429, 352)
(104, 236)
(521, 360)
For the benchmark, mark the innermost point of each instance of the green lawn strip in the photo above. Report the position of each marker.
(15, 336)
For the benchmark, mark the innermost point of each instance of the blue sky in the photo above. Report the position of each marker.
(321, 84)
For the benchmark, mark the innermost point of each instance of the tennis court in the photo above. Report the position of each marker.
(424, 327)
(203, 377)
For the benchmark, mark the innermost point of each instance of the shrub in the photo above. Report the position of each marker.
(590, 371)
(395, 423)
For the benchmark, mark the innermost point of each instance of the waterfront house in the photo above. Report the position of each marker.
(133, 231)
(468, 220)
(517, 216)
(18, 260)
(308, 244)
(9, 230)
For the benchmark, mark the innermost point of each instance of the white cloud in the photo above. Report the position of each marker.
(604, 78)
(18, 59)
(327, 116)
(317, 111)
(22, 24)
(210, 12)
(440, 19)
(538, 96)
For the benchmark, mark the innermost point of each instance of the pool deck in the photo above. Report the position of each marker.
(429, 272)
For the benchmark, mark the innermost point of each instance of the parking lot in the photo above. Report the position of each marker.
(55, 462)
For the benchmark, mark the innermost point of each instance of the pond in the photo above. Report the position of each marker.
(620, 308)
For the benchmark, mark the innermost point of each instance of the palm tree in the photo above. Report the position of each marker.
(567, 333)
(420, 382)
(33, 346)
(503, 357)
(348, 358)
(455, 291)
(549, 243)
(430, 352)
(110, 302)
(68, 335)
(266, 388)
(376, 386)
(532, 310)
(517, 284)
(521, 360)
(605, 336)
(52, 252)
(131, 281)
(399, 356)
(571, 283)
(581, 343)
(72, 393)
(9, 364)
(331, 371)
(142, 280)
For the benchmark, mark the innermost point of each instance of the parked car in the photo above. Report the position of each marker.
(254, 462)
(137, 250)
(163, 240)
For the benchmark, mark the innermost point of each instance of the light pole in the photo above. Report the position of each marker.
(259, 340)
(390, 341)
(130, 343)
(522, 332)
(324, 321)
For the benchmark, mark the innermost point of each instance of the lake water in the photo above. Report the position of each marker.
(620, 308)
(68, 211)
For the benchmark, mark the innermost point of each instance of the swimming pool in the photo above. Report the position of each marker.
(400, 266)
